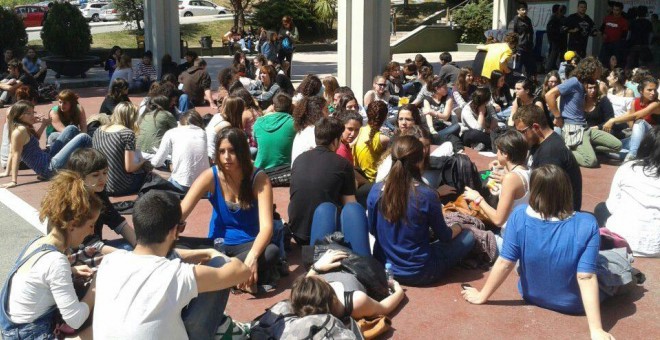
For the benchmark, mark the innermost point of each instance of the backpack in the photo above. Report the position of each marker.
(457, 171)
(287, 44)
(279, 322)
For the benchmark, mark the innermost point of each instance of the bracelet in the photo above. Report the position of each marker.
(316, 269)
(478, 201)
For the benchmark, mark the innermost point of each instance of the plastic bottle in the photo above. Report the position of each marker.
(219, 244)
(389, 275)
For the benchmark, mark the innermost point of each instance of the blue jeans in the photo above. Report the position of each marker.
(639, 130)
(352, 221)
(39, 329)
(503, 116)
(69, 140)
(179, 186)
(184, 103)
(119, 243)
(206, 312)
(444, 256)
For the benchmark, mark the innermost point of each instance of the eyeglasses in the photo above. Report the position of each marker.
(381, 85)
(523, 130)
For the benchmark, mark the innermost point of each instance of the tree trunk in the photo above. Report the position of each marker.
(405, 4)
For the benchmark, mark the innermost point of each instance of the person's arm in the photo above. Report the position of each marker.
(55, 120)
(514, 109)
(202, 185)
(510, 185)
(268, 95)
(605, 112)
(23, 65)
(83, 119)
(164, 149)
(632, 115)
(60, 283)
(42, 69)
(130, 164)
(437, 221)
(449, 106)
(458, 98)
(468, 118)
(551, 100)
(368, 98)
(588, 284)
(498, 274)
(364, 306)
(210, 279)
(428, 116)
(264, 193)
(17, 143)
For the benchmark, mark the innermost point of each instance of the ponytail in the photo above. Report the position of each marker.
(407, 153)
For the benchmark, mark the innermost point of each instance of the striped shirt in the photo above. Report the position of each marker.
(113, 146)
(143, 70)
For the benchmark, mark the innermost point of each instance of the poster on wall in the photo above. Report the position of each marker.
(653, 5)
(540, 13)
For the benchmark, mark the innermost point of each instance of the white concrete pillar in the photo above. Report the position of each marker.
(161, 29)
(500, 20)
(363, 42)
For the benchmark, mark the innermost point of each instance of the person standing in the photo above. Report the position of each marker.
(556, 36)
(288, 35)
(522, 25)
(580, 27)
(640, 36)
(615, 30)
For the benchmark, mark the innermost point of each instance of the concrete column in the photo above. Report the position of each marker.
(161, 29)
(500, 19)
(363, 42)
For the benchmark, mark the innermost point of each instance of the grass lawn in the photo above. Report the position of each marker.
(190, 32)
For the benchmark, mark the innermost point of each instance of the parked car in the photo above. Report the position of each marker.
(109, 13)
(188, 8)
(92, 11)
(33, 16)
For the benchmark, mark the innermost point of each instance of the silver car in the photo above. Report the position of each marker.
(92, 11)
(109, 13)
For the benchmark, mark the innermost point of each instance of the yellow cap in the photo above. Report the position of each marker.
(569, 55)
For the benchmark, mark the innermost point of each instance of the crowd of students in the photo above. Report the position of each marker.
(364, 170)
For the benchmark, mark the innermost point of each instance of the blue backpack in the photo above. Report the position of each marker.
(287, 44)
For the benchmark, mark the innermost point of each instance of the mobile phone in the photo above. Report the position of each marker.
(465, 285)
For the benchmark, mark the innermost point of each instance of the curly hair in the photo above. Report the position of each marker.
(587, 70)
(68, 203)
(308, 111)
(310, 86)
(376, 115)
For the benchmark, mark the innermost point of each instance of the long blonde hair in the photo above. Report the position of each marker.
(126, 114)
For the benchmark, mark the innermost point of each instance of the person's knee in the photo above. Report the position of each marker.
(216, 262)
(466, 238)
(325, 208)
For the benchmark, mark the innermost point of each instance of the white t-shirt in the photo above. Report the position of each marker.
(634, 203)
(187, 145)
(46, 284)
(210, 134)
(621, 105)
(142, 296)
(305, 140)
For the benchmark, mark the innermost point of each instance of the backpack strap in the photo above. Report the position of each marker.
(348, 305)
(315, 329)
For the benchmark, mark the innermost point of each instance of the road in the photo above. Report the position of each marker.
(34, 33)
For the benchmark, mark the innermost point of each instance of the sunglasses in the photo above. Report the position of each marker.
(381, 85)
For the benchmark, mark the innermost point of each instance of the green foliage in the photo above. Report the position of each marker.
(13, 32)
(12, 3)
(66, 32)
(269, 14)
(473, 20)
(130, 10)
(324, 10)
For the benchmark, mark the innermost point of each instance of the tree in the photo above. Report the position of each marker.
(324, 10)
(239, 7)
(473, 20)
(66, 32)
(131, 10)
(13, 32)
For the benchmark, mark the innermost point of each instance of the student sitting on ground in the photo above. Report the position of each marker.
(25, 144)
(186, 144)
(371, 143)
(479, 118)
(274, 133)
(67, 112)
(231, 115)
(524, 96)
(557, 251)
(632, 207)
(352, 125)
(322, 183)
(401, 210)
(266, 87)
(144, 295)
(118, 93)
(437, 110)
(329, 289)
(464, 87)
(40, 284)
(242, 200)
(514, 189)
(305, 115)
(93, 167)
(153, 125)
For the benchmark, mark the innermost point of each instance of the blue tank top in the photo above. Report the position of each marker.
(35, 158)
(236, 226)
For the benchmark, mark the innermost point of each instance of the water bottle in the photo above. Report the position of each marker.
(219, 244)
(390, 276)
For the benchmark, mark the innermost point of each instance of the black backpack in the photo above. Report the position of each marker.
(457, 171)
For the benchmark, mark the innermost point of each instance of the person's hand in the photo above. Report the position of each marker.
(252, 263)
(473, 296)
(83, 271)
(8, 185)
(497, 107)
(607, 127)
(147, 167)
(396, 287)
(595, 127)
(471, 194)
(559, 122)
(601, 335)
(330, 260)
(494, 164)
(445, 190)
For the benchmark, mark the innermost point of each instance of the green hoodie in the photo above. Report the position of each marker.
(274, 134)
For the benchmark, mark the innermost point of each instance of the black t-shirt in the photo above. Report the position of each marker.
(449, 73)
(585, 27)
(317, 176)
(553, 150)
(640, 31)
(108, 105)
(525, 29)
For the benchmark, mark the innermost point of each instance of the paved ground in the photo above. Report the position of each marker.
(426, 313)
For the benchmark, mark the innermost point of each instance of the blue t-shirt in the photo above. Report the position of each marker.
(571, 104)
(551, 253)
(405, 244)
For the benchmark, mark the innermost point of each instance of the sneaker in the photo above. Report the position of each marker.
(479, 147)
(232, 330)
(629, 157)
(284, 268)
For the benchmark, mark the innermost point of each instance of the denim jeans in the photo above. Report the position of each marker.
(503, 116)
(206, 312)
(179, 186)
(352, 222)
(69, 140)
(639, 130)
(184, 103)
(119, 243)
(39, 329)
(445, 255)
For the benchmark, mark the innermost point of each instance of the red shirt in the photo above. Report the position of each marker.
(614, 28)
(344, 150)
(651, 119)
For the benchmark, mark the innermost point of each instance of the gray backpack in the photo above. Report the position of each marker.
(279, 322)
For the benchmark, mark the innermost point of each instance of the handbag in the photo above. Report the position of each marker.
(280, 176)
(373, 327)
(460, 205)
(573, 135)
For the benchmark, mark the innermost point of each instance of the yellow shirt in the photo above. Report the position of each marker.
(497, 54)
(367, 154)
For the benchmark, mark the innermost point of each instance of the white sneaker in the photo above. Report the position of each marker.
(232, 330)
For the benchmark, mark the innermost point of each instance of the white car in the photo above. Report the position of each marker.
(188, 8)
(92, 11)
(109, 13)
